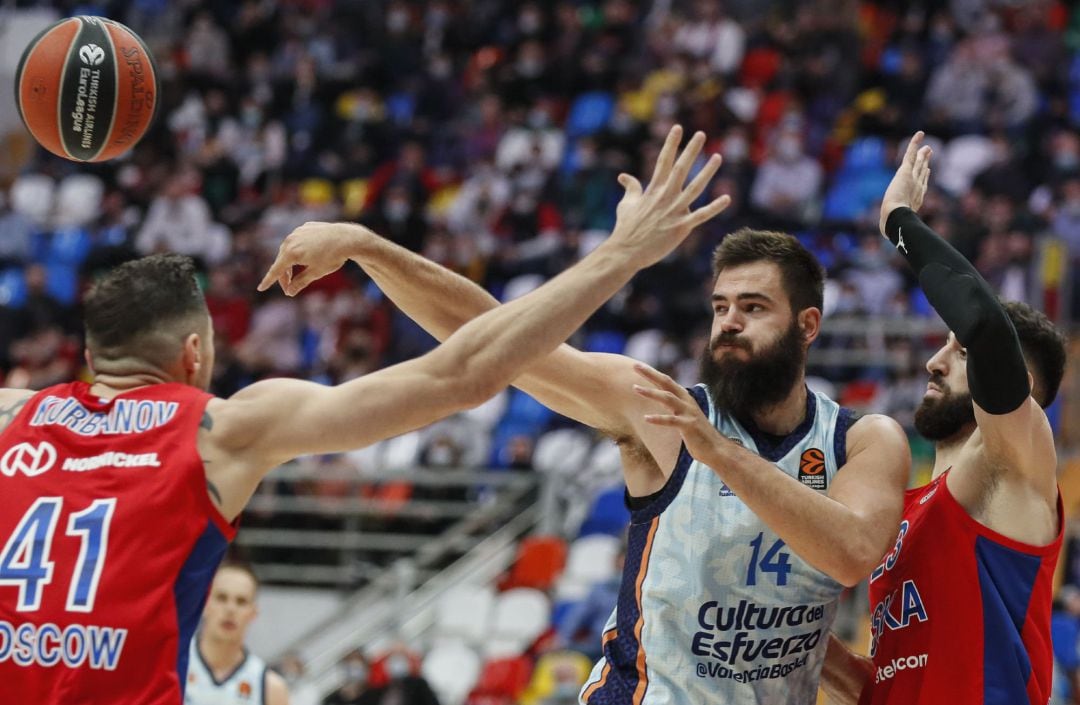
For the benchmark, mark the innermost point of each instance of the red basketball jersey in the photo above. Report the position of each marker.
(960, 613)
(108, 544)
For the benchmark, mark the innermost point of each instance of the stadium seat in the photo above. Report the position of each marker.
(589, 114)
(33, 195)
(521, 616)
(12, 287)
(501, 681)
(464, 614)
(563, 450)
(451, 669)
(608, 515)
(78, 199)
(645, 346)
(605, 341)
(591, 560)
(539, 562)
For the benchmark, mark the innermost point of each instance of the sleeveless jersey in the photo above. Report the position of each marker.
(713, 607)
(109, 543)
(244, 686)
(960, 613)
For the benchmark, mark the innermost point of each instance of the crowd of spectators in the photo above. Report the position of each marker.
(487, 135)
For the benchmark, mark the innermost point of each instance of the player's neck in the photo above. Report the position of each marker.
(947, 451)
(108, 386)
(222, 656)
(784, 417)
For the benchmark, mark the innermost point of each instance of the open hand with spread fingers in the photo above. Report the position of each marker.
(684, 414)
(651, 222)
(909, 184)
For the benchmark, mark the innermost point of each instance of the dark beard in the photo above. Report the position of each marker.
(745, 387)
(939, 419)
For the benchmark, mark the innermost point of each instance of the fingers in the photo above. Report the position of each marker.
(667, 156)
(686, 160)
(913, 148)
(706, 213)
(300, 281)
(697, 186)
(659, 379)
(665, 420)
(277, 270)
(658, 395)
(632, 185)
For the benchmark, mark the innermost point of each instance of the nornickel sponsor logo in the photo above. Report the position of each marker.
(112, 459)
(91, 54)
(28, 458)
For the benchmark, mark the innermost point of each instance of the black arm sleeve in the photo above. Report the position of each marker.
(997, 373)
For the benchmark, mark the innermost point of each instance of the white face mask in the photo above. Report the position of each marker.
(397, 667)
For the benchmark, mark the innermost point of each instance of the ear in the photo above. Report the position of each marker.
(193, 355)
(809, 320)
(89, 360)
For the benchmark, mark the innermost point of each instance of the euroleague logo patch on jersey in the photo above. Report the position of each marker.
(812, 469)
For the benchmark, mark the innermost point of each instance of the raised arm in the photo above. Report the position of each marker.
(1015, 433)
(275, 420)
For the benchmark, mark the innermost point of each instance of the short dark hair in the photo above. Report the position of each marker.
(141, 300)
(243, 567)
(1044, 349)
(802, 275)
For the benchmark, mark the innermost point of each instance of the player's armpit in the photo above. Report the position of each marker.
(1020, 441)
(597, 389)
(871, 485)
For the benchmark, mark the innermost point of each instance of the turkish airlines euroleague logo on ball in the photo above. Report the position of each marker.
(812, 469)
(91, 54)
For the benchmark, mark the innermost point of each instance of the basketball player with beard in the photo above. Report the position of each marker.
(961, 605)
(742, 538)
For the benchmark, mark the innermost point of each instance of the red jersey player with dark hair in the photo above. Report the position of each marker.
(120, 495)
(961, 605)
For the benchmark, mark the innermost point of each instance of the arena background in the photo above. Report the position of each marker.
(486, 135)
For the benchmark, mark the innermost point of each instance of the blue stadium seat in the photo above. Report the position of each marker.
(608, 515)
(589, 114)
(605, 341)
(12, 287)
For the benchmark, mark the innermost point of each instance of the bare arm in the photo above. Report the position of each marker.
(275, 420)
(11, 403)
(277, 691)
(845, 674)
(592, 388)
(845, 533)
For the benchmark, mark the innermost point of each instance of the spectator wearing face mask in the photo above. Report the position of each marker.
(355, 671)
(404, 685)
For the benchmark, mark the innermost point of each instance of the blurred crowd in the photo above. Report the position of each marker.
(487, 135)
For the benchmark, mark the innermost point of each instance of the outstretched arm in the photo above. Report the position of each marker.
(1016, 435)
(272, 421)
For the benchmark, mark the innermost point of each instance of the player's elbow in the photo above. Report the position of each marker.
(857, 563)
(472, 388)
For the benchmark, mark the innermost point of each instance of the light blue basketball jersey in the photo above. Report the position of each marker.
(713, 607)
(244, 686)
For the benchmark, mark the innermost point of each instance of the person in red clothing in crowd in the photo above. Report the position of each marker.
(122, 493)
(961, 605)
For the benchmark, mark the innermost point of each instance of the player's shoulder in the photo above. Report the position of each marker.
(276, 689)
(12, 402)
(871, 431)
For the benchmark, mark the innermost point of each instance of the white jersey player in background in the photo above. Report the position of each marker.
(221, 671)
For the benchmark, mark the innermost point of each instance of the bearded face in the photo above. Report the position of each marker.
(944, 416)
(745, 379)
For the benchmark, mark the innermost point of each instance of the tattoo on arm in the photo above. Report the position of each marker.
(207, 421)
(9, 412)
(214, 492)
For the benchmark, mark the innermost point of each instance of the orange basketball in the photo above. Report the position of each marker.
(812, 462)
(86, 88)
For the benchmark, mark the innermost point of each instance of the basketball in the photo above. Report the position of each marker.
(86, 88)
